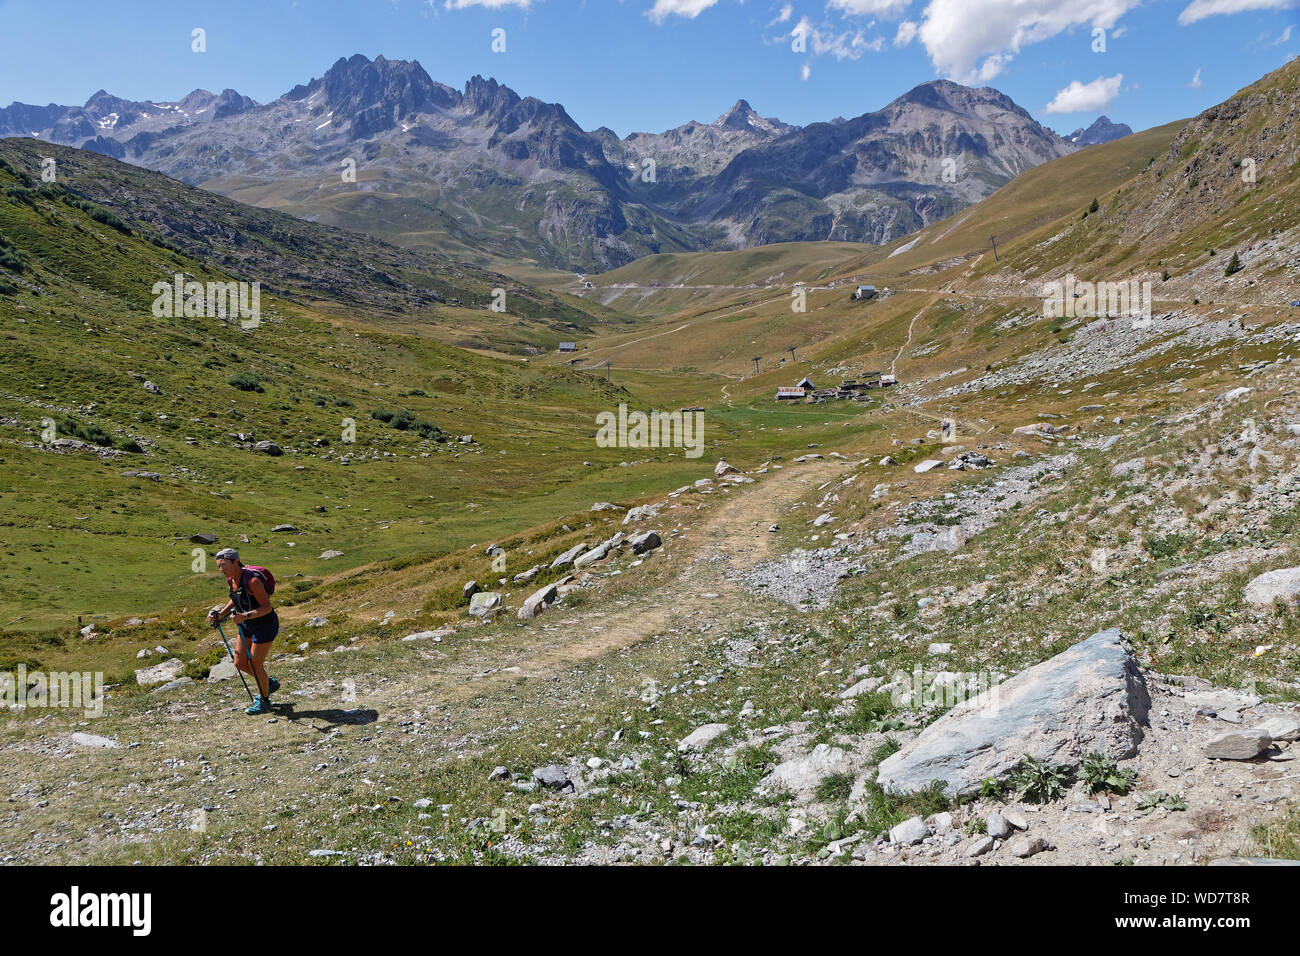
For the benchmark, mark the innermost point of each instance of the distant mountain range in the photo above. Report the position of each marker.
(484, 174)
(1101, 131)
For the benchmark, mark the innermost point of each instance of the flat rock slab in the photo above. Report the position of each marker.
(1280, 728)
(1024, 847)
(865, 686)
(437, 635)
(701, 737)
(1238, 745)
(1090, 697)
(804, 774)
(160, 673)
(1283, 583)
(93, 740)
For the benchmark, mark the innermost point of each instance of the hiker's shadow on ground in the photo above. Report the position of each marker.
(334, 717)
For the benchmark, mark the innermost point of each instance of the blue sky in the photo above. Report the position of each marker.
(654, 64)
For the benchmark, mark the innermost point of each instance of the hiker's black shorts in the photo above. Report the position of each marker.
(262, 630)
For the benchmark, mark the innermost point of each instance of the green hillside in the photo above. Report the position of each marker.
(82, 538)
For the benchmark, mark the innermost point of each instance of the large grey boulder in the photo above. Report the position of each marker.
(1283, 583)
(599, 552)
(645, 542)
(802, 775)
(909, 832)
(222, 670)
(523, 577)
(553, 777)
(539, 601)
(569, 556)
(640, 513)
(1090, 697)
(998, 826)
(484, 603)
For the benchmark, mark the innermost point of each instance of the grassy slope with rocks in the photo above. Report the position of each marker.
(332, 270)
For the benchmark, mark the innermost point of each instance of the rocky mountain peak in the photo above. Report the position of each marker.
(488, 97)
(376, 95)
(739, 116)
(953, 97)
(1101, 131)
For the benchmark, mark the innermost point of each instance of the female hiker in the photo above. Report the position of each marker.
(250, 607)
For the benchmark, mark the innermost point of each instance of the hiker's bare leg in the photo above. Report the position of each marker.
(255, 667)
(259, 668)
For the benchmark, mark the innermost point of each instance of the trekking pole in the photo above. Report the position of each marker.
(232, 659)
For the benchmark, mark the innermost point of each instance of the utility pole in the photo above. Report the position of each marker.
(607, 370)
(993, 239)
(756, 358)
(791, 351)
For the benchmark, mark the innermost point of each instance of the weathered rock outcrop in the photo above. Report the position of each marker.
(1091, 697)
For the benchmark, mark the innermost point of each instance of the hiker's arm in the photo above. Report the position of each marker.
(258, 591)
(221, 613)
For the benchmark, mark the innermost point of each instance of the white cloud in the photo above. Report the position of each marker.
(823, 40)
(787, 11)
(663, 9)
(977, 38)
(1200, 9)
(906, 33)
(1195, 82)
(883, 8)
(805, 71)
(1286, 35)
(992, 66)
(1086, 97)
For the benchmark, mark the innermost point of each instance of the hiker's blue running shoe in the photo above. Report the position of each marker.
(274, 685)
(262, 706)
